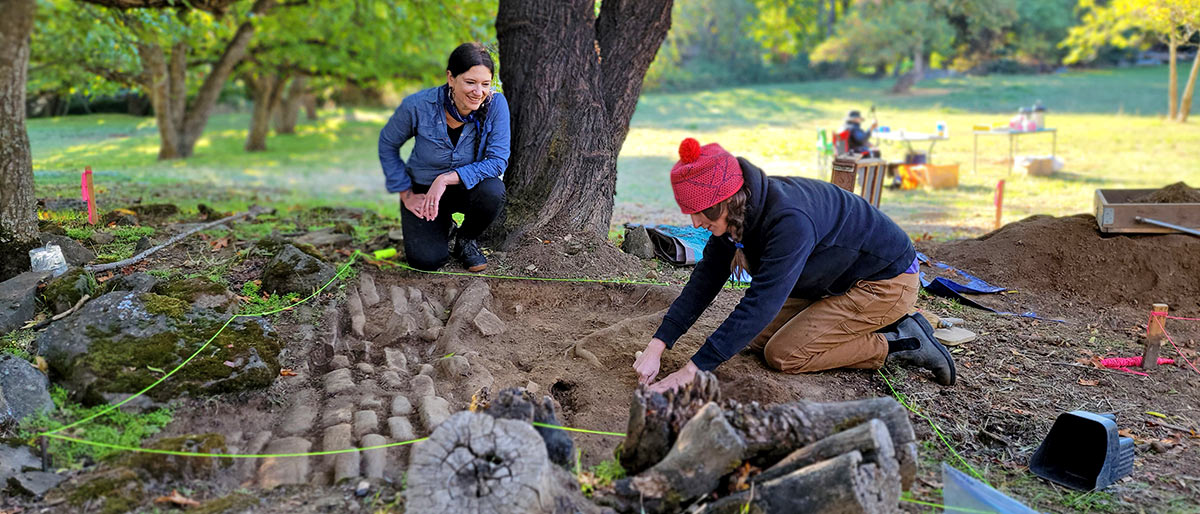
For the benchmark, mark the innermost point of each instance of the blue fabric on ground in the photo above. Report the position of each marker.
(947, 288)
(681, 245)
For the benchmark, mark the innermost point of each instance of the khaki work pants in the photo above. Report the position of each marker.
(838, 331)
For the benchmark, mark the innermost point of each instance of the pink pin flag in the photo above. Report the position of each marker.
(89, 193)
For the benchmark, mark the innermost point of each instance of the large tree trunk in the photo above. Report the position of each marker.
(572, 80)
(18, 217)
(197, 116)
(289, 106)
(910, 79)
(833, 9)
(265, 89)
(1185, 104)
(166, 84)
(1172, 80)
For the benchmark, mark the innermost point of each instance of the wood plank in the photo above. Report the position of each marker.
(1115, 214)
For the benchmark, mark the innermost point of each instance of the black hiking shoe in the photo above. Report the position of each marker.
(467, 252)
(914, 330)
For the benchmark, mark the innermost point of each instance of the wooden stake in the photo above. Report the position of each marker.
(93, 216)
(1154, 336)
(999, 202)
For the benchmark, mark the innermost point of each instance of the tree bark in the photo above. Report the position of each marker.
(157, 83)
(845, 483)
(572, 80)
(310, 107)
(265, 89)
(1185, 104)
(18, 216)
(910, 79)
(289, 106)
(833, 9)
(1172, 79)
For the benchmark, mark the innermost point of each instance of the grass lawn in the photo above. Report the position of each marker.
(1111, 134)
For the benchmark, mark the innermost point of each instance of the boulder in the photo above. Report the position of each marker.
(34, 483)
(200, 292)
(101, 238)
(74, 252)
(23, 389)
(65, 290)
(137, 282)
(18, 299)
(293, 271)
(122, 342)
(637, 242)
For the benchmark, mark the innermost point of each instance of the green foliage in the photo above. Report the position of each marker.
(18, 342)
(1130, 23)
(125, 238)
(259, 303)
(117, 427)
(80, 233)
(598, 476)
(886, 33)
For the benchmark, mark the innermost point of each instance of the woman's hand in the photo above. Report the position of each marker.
(413, 202)
(433, 197)
(648, 362)
(677, 379)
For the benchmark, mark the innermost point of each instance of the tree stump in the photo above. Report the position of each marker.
(476, 463)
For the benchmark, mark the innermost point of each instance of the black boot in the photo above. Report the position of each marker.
(467, 252)
(912, 343)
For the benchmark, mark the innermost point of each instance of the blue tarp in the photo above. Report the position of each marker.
(947, 288)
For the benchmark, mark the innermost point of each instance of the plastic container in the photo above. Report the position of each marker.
(936, 176)
(961, 493)
(1083, 451)
(48, 258)
(1039, 115)
(942, 129)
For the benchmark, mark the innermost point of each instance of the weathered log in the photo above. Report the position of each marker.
(770, 432)
(476, 463)
(522, 405)
(707, 449)
(843, 484)
(656, 419)
(871, 439)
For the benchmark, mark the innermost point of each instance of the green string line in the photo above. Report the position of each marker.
(581, 430)
(279, 455)
(405, 266)
(947, 507)
(936, 430)
(110, 408)
(231, 455)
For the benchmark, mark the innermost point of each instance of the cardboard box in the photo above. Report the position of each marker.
(1036, 166)
(937, 176)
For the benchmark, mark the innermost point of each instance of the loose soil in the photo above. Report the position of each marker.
(1178, 192)
(1012, 381)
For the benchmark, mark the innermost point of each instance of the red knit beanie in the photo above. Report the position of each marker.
(704, 176)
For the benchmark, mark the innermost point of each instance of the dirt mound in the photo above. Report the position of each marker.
(1054, 262)
(575, 255)
(1178, 192)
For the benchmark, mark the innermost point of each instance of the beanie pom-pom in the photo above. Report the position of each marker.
(689, 150)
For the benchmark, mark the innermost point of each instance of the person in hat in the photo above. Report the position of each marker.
(858, 140)
(832, 279)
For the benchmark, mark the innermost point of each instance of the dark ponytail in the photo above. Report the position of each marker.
(467, 56)
(734, 208)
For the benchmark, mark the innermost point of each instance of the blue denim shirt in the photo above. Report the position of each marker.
(421, 116)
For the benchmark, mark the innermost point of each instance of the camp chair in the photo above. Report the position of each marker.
(824, 149)
(841, 142)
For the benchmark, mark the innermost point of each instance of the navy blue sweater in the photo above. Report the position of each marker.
(803, 238)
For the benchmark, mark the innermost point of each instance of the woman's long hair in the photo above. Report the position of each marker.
(734, 208)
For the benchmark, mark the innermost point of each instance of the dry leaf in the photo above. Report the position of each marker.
(177, 499)
(1086, 382)
(41, 364)
(220, 243)
(286, 372)
(105, 277)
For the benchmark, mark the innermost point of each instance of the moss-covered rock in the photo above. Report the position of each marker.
(110, 491)
(199, 292)
(293, 271)
(123, 342)
(62, 293)
(180, 466)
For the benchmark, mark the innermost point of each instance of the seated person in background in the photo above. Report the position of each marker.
(857, 142)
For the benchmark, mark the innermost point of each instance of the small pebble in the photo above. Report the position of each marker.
(363, 488)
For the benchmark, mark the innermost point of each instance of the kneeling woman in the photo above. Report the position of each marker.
(832, 278)
(460, 153)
